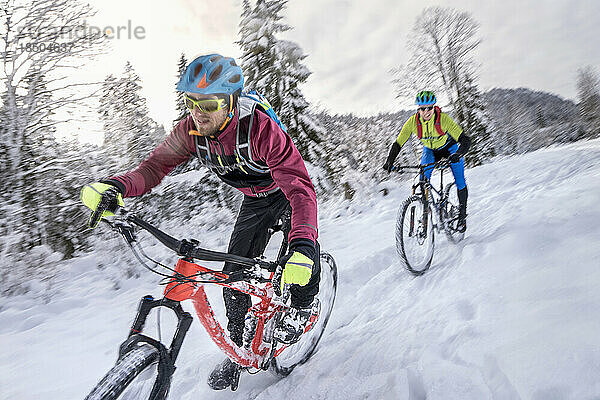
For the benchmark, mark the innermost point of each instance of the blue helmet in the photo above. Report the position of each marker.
(425, 98)
(212, 74)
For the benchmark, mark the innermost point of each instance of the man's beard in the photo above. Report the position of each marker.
(206, 126)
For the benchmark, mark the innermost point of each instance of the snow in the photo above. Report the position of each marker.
(509, 313)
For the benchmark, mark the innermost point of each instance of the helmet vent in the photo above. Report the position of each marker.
(197, 69)
(235, 79)
(216, 73)
(215, 58)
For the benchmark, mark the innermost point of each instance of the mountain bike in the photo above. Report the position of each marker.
(415, 226)
(145, 366)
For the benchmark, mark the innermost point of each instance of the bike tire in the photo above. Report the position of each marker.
(450, 215)
(298, 353)
(123, 382)
(407, 243)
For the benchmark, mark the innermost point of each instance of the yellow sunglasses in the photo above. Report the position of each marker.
(205, 105)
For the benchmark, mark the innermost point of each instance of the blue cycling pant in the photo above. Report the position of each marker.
(458, 169)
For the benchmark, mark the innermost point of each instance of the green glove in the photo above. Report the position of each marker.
(296, 270)
(103, 199)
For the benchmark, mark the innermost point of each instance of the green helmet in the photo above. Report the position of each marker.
(425, 98)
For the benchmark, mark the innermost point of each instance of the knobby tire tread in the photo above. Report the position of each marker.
(124, 372)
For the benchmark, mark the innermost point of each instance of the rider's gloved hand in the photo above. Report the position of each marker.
(454, 158)
(389, 162)
(103, 199)
(296, 267)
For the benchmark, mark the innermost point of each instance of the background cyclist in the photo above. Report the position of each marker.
(441, 138)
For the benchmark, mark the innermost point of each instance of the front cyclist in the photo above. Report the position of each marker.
(267, 169)
(441, 138)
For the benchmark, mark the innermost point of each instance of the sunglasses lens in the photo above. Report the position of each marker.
(209, 105)
(426, 108)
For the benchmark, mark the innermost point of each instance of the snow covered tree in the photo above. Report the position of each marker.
(41, 42)
(517, 116)
(129, 132)
(28, 25)
(37, 149)
(259, 26)
(588, 90)
(471, 113)
(182, 110)
(441, 46)
(274, 68)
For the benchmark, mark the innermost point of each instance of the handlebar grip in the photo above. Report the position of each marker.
(276, 280)
(95, 217)
(103, 205)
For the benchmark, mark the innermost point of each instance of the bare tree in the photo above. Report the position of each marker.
(42, 38)
(588, 90)
(441, 45)
(41, 42)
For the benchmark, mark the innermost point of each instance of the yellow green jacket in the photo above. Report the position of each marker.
(431, 138)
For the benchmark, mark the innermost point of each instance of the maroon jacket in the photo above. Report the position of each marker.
(269, 144)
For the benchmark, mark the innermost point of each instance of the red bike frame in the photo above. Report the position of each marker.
(259, 351)
(188, 282)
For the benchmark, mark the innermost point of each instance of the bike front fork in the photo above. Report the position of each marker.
(167, 355)
(422, 223)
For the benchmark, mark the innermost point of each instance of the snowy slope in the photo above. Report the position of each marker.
(509, 313)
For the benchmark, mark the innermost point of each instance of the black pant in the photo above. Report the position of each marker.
(249, 238)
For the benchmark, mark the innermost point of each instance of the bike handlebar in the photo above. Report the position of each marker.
(188, 248)
(443, 164)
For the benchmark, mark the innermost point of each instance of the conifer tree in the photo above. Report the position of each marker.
(472, 117)
(129, 132)
(182, 110)
(275, 68)
(588, 90)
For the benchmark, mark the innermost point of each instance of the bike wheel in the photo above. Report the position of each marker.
(135, 376)
(415, 235)
(450, 214)
(298, 353)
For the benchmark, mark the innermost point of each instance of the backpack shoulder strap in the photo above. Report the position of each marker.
(438, 121)
(419, 126)
(201, 148)
(246, 109)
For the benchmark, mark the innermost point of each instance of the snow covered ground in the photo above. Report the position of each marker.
(512, 312)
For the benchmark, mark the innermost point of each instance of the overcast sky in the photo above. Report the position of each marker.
(352, 45)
